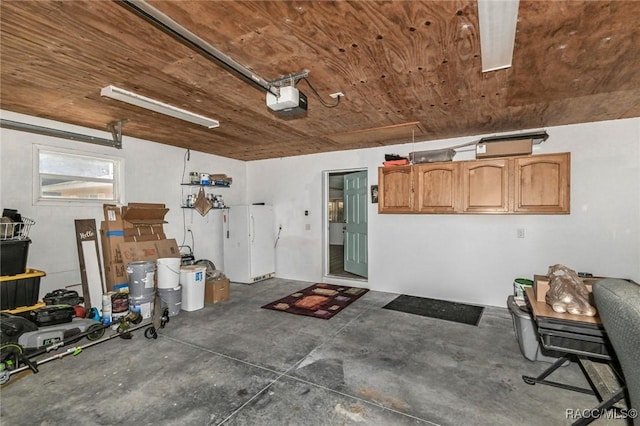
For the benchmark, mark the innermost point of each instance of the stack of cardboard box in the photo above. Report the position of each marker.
(132, 233)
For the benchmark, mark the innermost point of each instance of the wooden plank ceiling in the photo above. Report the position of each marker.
(409, 69)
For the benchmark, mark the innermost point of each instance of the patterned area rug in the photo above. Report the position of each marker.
(319, 300)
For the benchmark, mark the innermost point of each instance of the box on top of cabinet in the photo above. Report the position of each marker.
(504, 148)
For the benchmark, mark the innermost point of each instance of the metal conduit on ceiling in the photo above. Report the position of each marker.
(115, 128)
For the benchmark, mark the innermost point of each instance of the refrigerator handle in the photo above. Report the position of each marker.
(253, 229)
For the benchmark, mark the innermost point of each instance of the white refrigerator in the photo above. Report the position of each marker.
(249, 239)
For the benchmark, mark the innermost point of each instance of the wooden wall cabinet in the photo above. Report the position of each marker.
(485, 187)
(542, 184)
(395, 189)
(536, 184)
(438, 187)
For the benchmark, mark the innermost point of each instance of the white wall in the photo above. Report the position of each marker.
(153, 173)
(336, 229)
(336, 233)
(471, 258)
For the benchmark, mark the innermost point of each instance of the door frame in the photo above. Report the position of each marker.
(326, 277)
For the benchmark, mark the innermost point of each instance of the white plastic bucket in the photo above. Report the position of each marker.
(168, 272)
(172, 297)
(192, 278)
(519, 287)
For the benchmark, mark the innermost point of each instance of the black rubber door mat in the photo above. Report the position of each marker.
(434, 308)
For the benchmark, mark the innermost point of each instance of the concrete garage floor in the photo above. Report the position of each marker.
(233, 363)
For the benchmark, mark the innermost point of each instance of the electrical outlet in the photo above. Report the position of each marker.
(337, 95)
(520, 233)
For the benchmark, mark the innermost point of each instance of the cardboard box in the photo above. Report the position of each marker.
(541, 285)
(112, 218)
(151, 232)
(114, 270)
(144, 214)
(216, 290)
(110, 241)
(115, 275)
(148, 250)
(133, 233)
(144, 222)
(504, 148)
(116, 260)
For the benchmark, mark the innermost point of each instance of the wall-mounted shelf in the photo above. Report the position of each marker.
(213, 184)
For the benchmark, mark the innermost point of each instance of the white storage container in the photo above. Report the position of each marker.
(192, 279)
(168, 272)
(527, 336)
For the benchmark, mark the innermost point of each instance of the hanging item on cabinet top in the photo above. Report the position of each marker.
(432, 156)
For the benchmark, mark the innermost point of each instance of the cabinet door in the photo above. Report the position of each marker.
(395, 189)
(485, 187)
(437, 187)
(542, 183)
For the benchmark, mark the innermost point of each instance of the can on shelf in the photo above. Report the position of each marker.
(194, 177)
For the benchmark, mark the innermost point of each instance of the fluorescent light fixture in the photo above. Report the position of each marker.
(157, 106)
(498, 19)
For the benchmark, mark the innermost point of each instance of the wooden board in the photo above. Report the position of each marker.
(397, 62)
(90, 266)
(541, 309)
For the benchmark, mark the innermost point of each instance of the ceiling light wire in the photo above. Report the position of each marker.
(322, 101)
(413, 139)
